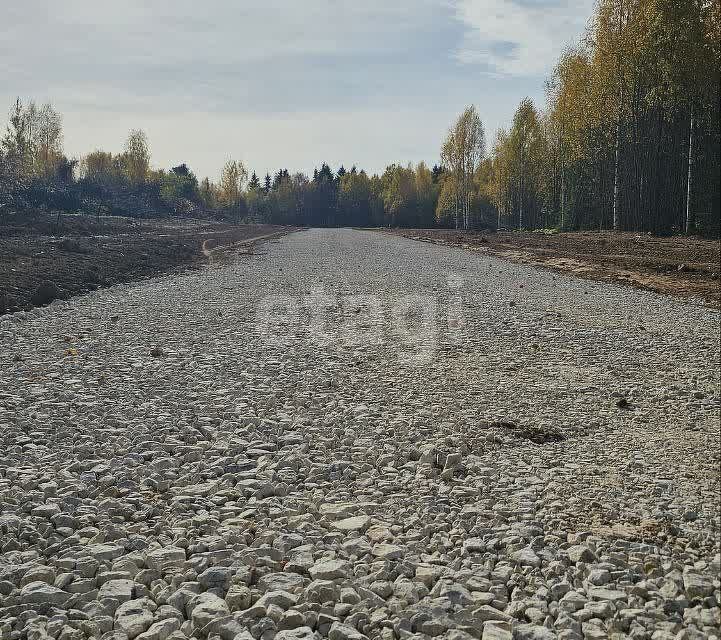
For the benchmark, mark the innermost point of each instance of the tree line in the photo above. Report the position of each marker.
(34, 172)
(628, 139)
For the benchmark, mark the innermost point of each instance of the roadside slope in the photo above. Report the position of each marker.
(688, 267)
(85, 253)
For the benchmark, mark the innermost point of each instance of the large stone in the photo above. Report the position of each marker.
(532, 632)
(160, 630)
(428, 574)
(281, 599)
(42, 593)
(474, 545)
(496, 630)
(166, 558)
(697, 584)
(609, 595)
(339, 631)
(526, 557)
(120, 590)
(216, 578)
(104, 552)
(580, 553)
(388, 551)
(227, 627)
(321, 591)
(456, 593)
(39, 573)
(329, 570)
(354, 523)
(281, 581)
(135, 617)
(357, 547)
(205, 607)
(299, 633)
(486, 612)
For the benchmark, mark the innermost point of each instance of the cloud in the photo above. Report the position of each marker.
(225, 31)
(245, 56)
(519, 37)
(278, 82)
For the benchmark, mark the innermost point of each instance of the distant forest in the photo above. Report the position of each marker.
(628, 139)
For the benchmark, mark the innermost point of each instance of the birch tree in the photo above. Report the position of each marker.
(461, 152)
(48, 140)
(232, 183)
(136, 159)
(525, 145)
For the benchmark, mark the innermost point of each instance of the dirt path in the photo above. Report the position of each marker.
(213, 251)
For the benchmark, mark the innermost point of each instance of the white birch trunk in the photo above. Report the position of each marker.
(616, 217)
(690, 221)
(617, 160)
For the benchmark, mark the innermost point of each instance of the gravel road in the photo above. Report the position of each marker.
(354, 435)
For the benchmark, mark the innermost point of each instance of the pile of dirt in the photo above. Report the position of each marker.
(41, 261)
(678, 265)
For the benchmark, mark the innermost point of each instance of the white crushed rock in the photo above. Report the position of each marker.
(251, 481)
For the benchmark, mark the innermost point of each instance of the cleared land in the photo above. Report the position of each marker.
(350, 435)
(688, 267)
(41, 260)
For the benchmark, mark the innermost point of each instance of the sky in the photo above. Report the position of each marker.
(280, 83)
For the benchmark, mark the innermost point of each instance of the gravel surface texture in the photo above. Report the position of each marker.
(356, 435)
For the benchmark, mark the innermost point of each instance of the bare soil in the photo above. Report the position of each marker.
(41, 260)
(679, 265)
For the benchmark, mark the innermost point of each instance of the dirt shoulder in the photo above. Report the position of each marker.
(680, 266)
(40, 261)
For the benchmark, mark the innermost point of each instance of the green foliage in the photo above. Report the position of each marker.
(32, 145)
(135, 162)
(629, 133)
(355, 199)
(177, 184)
